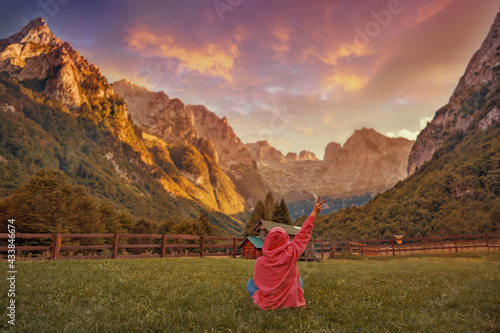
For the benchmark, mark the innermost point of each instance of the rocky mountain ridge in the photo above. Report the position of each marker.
(178, 124)
(480, 79)
(173, 161)
(368, 162)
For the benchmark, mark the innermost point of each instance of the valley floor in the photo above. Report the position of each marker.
(432, 293)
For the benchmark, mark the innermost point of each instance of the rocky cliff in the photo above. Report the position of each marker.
(179, 125)
(265, 154)
(41, 60)
(479, 80)
(233, 155)
(368, 162)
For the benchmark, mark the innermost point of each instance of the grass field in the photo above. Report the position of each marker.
(432, 293)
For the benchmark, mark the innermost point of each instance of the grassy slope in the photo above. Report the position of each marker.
(452, 293)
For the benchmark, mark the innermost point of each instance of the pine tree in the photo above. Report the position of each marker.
(257, 215)
(281, 214)
(206, 225)
(269, 206)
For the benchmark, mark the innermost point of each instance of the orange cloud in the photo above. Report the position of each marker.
(282, 36)
(344, 51)
(348, 82)
(208, 59)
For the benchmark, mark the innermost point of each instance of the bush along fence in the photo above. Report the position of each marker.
(112, 246)
(410, 245)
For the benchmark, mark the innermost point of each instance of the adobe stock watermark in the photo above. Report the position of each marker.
(277, 124)
(49, 8)
(154, 77)
(11, 272)
(372, 29)
(223, 6)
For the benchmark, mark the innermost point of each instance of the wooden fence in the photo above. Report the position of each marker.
(411, 245)
(61, 244)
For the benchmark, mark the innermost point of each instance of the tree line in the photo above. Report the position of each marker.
(48, 203)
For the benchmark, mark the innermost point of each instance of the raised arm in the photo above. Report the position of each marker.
(300, 241)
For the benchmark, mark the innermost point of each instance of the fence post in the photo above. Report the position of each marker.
(115, 247)
(393, 252)
(487, 244)
(322, 250)
(234, 248)
(163, 245)
(456, 245)
(56, 247)
(362, 252)
(202, 246)
(349, 247)
(332, 251)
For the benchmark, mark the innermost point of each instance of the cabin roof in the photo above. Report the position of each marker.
(291, 230)
(256, 241)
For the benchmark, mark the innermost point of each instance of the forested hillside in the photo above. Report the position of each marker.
(456, 192)
(37, 132)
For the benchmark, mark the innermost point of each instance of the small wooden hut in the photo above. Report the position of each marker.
(251, 248)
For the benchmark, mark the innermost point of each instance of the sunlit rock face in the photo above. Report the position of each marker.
(183, 125)
(36, 56)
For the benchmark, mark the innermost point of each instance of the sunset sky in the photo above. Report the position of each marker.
(299, 74)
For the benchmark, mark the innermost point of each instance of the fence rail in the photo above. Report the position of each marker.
(60, 249)
(58, 246)
(410, 245)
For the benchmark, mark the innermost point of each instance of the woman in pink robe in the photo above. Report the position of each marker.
(277, 283)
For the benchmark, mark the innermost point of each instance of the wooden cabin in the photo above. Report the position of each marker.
(252, 246)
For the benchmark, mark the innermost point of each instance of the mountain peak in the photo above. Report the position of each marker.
(35, 53)
(365, 134)
(37, 22)
(365, 131)
(263, 153)
(307, 156)
(483, 67)
(37, 32)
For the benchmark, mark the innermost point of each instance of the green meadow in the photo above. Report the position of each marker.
(420, 293)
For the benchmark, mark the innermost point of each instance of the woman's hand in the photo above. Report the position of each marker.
(317, 207)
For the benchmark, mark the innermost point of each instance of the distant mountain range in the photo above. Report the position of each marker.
(154, 156)
(368, 163)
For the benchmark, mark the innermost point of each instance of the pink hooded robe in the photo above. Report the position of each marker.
(276, 272)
